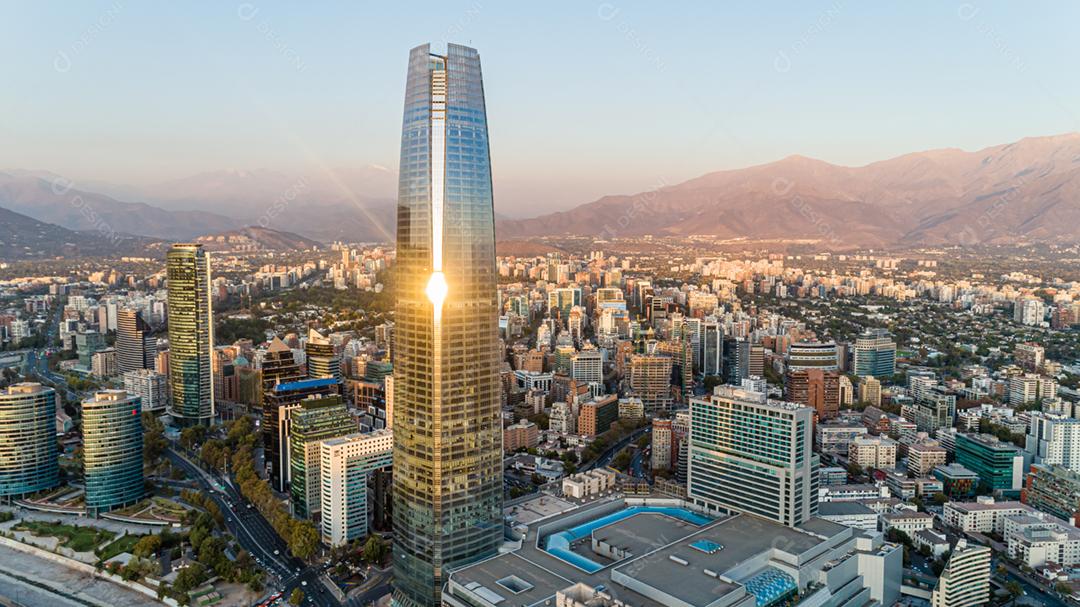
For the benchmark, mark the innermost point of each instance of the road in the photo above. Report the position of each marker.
(257, 536)
(380, 587)
(609, 454)
(1033, 594)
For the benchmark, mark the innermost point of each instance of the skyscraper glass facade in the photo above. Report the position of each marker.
(112, 450)
(875, 354)
(317, 419)
(136, 348)
(191, 334)
(28, 453)
(447, 433)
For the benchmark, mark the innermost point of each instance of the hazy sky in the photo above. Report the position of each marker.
(584, 98)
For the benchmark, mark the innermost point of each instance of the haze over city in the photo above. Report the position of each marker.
(593, 98)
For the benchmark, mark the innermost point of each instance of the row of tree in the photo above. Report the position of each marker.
(237, 450)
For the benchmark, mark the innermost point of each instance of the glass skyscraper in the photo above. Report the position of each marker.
(112, 450)
(28, 452)
(191, 334)
(447, 433)
(136, 348)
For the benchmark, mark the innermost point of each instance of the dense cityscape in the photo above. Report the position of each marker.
(467, 414)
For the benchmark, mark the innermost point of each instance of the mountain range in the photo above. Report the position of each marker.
(1019, 192)
(25, 238)
(1024, 191)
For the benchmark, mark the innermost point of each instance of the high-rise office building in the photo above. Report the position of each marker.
(279, 403)
(875, 354)
(86, 344)
(1000, 465)
(812, 355)
(650, 380)
(560, 302)
(447, 426)
(191, 334)
(322, 360)
(28, 451)
(279, 367)
(345, 466)
(112, 450)
(752, 454)
(316, 419)
(736, 359)
(136, 348)
(712, 347)
(816, 388)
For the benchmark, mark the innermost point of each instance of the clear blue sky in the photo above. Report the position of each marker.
(584, 98)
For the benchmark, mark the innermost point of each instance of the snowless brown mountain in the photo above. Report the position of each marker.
(1027, 191)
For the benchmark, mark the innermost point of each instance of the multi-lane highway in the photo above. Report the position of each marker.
(257, 537)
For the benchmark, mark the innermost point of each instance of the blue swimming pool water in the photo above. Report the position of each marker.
(706, 546)
(771, 586)
(558, 544)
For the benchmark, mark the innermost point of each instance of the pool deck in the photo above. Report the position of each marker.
(661, 559)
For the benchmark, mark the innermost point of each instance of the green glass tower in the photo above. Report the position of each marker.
(28, 453)
(447, 474)
(191, 334)
(112, 450)
(317, 419)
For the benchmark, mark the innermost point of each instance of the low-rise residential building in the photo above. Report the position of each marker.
(844, 493)
(1054, 490)
(932, 541)
(924, 457)
(836, 435)
(906, 522)
(1037, 540)
(957, 481)
(872, 452)
(851, 514)
(522, 435)
(588, 484)
(984, 515)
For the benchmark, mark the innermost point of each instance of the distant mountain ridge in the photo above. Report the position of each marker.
(255, 238)
(23, 238)
(1023, 191)
(333, 204)
(56, 201)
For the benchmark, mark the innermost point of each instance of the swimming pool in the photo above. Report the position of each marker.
(558, 544)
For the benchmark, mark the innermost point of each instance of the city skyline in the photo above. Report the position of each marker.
(795, 383)
(847, 84)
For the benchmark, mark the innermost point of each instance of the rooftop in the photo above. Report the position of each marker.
(844, 509)
(676, 560)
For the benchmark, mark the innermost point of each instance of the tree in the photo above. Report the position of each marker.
(191, 436)
(147, 546)
(374, 550)
(153, 437)
(1014, 589)
(304, 539)
(296, 597)
(940, 499)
